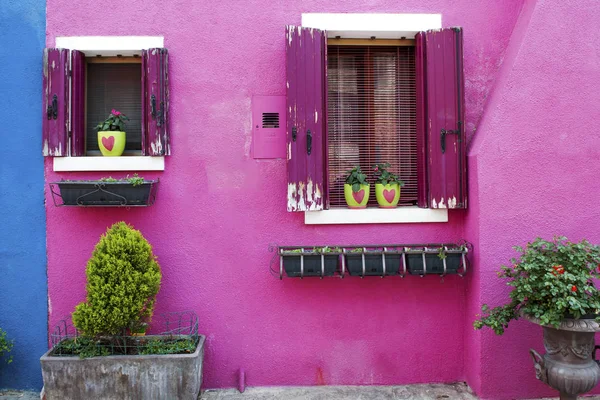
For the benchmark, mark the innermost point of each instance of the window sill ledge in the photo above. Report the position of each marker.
(400, 215)
(123, 163)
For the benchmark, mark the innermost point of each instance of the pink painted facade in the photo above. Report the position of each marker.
(218, 208)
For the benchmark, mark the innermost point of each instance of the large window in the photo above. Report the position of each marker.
(371, 115)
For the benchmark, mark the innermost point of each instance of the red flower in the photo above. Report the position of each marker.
(574, 288)
(115, 112)
(376, 169)
(558, 270)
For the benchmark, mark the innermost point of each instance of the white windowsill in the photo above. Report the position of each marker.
(108, 46)
(124, 163)
(400, 215)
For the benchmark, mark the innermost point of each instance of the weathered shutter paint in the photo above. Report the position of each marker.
(55, 102)
(155, 102)
(305, 103)
(446, 170)
(421, 113)
(77, 103)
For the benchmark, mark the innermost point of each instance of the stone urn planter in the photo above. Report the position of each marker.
(568, 365)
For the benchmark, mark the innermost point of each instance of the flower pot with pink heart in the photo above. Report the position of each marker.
(111, 134)
(387, 186)
(356, 189)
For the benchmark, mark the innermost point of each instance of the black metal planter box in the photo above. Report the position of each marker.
(373, 264)
(99, 193)
(313, 265)
(434, 264)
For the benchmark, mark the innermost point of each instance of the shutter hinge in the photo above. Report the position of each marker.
(70, 74)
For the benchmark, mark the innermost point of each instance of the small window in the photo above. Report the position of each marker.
(371, 115)
(114, 83)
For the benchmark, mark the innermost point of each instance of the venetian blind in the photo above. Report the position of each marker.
(114, 86)
(371, 116)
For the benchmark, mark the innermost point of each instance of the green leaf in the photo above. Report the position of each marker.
(355, 187)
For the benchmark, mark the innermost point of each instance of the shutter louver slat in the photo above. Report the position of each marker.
(371, 115)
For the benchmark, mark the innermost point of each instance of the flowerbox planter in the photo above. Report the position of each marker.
(434, 264)
(309, 264)
(373, 264)
(169, 376)
(100, 193)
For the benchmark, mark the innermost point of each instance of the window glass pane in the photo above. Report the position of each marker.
(114, 86)
(371, 115)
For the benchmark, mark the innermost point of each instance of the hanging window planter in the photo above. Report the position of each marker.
(370, 260)
(319, 261)
(362, 262)
(107, 192)
(435, 260)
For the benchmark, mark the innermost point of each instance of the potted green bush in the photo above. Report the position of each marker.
(318, 261)
(387, 186)
(123, 279)
(111, 134)
(554, 286)
(356, 188)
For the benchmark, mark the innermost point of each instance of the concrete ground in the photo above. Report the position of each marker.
(457, 391)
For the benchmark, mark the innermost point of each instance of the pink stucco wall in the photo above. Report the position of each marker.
(534, 162)
(218, 209)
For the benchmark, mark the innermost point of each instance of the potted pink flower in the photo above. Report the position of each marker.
(111, 134)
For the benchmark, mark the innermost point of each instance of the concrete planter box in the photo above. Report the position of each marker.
(169, 376)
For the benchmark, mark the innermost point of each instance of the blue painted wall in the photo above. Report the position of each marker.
(23, 289)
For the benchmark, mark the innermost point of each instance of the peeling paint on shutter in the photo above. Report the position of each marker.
(155, 102)
(445, 128)
(55, 102)
(305, 105)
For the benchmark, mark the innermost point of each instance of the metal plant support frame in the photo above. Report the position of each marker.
(101, 186)
(440, 250)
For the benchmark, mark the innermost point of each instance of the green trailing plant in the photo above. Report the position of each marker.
(356, 178)
(123, 279)
(551, 280)
(384, 176)
(114, 122)
(135, 180)
(157, 346)
(6, 346)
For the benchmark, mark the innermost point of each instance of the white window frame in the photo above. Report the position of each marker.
(380, 26)
(109, 46)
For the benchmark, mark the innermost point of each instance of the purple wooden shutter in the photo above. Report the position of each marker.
(155, 102)
(55, 102)
(445, 131)
(421, 111)
(305, 103)
(77, 103)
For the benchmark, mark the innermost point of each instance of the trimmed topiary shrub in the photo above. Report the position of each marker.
(123, 279)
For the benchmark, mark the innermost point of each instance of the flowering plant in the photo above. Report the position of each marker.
(114, 122)
(551, 280)
(383, 176)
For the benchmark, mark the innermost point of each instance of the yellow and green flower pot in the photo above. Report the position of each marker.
(387, 195)
(111, 143)
(356, 199)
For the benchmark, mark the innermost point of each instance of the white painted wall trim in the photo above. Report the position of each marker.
(108, 46)
(382, 26)
(124, 163)
(400, 215)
